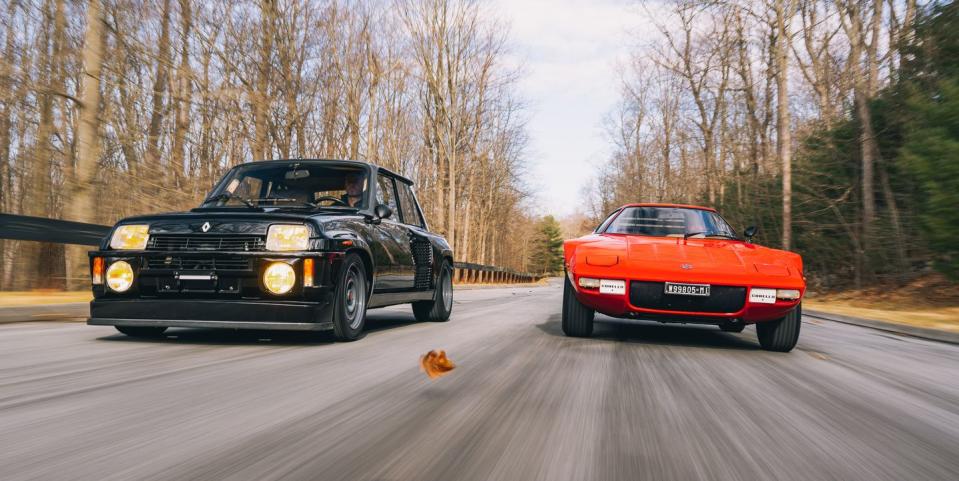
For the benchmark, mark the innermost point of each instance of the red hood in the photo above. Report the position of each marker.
(692, 260)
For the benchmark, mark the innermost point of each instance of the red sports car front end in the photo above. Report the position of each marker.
(682, 264)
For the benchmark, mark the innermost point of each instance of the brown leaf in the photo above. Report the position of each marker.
(436, 364)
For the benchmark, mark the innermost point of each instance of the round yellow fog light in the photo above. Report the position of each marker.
(279, 278)
(120, 276)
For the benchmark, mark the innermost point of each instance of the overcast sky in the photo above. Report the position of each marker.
(569, 50)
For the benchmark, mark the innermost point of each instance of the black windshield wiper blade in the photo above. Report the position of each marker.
(708, 234)
(275, 200)
(229, 196)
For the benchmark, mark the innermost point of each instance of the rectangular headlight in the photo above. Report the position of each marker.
(589, 282)
(787, 294)
(286, 237)
(131, 237)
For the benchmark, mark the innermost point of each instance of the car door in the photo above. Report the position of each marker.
(394, 257)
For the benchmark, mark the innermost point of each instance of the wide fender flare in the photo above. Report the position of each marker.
(360, 245)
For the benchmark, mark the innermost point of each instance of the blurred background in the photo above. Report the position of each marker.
(832, 125)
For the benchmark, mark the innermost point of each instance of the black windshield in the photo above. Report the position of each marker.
(292, 185)
(670, 222)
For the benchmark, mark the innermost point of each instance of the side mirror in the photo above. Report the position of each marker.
(382, 211)
(750, 232)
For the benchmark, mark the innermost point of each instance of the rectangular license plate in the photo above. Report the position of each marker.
(687, 289)
(609, 286)
(196, 277)
(762, 296)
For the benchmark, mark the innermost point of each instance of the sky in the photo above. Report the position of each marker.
(570, 52)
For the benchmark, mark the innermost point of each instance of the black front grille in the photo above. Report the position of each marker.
(423, 258)
(165, 242)
(188, 263)
(651, 295)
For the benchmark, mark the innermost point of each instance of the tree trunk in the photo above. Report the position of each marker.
(152, 162)
(783, 133)
(81, 208)
(184, 99)
(261, 96)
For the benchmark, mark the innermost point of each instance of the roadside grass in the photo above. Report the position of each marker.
(930, 301)
(42, 297)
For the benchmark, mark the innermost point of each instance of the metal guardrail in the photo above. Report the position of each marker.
(467, 273)
(40, 229)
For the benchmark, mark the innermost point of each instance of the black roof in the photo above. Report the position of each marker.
(357, 163)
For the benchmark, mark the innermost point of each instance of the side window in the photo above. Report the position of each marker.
(411, 215)
(385, 193)
(606, 222)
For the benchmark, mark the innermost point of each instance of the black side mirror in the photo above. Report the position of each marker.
(750, 232)
(382, 211)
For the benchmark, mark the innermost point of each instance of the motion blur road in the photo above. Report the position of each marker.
(636, 402)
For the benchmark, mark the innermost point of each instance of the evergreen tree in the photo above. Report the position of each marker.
(548, 246)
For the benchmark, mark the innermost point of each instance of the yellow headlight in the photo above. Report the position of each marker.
(120, 276)
(283, 237)
(279, 278)
(130, 237)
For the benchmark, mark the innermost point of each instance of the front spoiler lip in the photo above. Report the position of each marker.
(271, 326)
(214, 313)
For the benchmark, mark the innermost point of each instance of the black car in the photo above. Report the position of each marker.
(282, 244)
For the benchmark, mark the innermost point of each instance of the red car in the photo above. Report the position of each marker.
(682, 263)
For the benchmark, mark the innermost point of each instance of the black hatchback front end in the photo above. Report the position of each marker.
(204, 270)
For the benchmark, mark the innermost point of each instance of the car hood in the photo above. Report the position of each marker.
(691, 260)
(234, 221)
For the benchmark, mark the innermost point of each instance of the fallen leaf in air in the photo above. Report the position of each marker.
(436, 364)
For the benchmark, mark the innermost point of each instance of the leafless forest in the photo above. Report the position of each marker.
(813, 119)
(114, 107)
(753, 106)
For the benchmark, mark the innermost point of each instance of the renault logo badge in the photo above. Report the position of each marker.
(686, 266)
(205, 227)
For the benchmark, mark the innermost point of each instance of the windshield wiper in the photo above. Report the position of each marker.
(275, 200)
(707, 234)
(231, 196)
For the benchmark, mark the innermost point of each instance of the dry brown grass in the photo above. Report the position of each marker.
(42, 297)
(930, 301)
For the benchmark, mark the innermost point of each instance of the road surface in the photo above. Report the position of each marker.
(525, 403)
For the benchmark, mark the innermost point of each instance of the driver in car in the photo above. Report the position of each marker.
(354, 186)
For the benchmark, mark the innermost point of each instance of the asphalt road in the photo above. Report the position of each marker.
(637, 402)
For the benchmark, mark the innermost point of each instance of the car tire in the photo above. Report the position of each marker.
(738, 327)
(141, 331)
(577, 318)
(780, 335)
(350, 300)
(440, 308)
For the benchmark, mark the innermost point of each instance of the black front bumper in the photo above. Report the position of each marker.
(229, 314)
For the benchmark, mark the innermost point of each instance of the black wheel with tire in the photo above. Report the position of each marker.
(577, 318)
(141, 331)
(781, 335)
(440, 308)
(732, 327)
(349, 301)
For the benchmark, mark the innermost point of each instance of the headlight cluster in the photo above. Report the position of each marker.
(132, 237)
(589, 282)
(279, 278)
(787, 294)
(286, 237)
(120, 276)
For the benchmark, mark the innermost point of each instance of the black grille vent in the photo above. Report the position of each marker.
(206, 243)
(423, 258)
(651, 295)
(199, 263)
